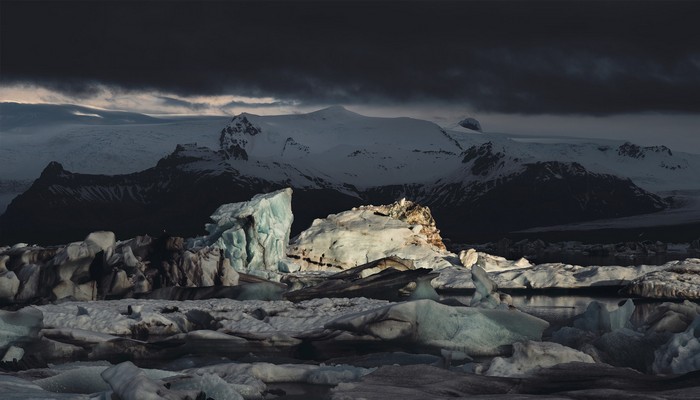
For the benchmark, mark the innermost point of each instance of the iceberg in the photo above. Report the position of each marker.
(131, 383)
(253, 234)
(678, 280)
(530, 356)
(361, 235)
(681, 353)
(19, 326)
(597, 318)
(486, 295)
(474, 331)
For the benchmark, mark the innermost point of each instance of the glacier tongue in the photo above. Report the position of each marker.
(253, 234)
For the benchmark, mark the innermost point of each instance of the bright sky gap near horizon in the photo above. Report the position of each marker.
(622, 70)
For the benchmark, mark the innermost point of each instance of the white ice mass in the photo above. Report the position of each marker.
(365, 234)
(530, 356)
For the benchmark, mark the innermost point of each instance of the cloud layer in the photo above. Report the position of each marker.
(511, 57)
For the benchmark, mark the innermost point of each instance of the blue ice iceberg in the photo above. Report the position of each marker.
(253, 234)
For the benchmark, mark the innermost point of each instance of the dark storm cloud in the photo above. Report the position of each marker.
(551, 57)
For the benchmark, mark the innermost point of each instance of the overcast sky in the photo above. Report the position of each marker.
(581, 65)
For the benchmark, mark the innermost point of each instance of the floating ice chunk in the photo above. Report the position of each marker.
(468, 257)
(486, 294)
(628, 348)
(29, 275)
(103, 239)
(681, 354)
(530, 356)
(672, 317)
(302, 373)
(211, 384)
(131, 383)
(597, 318)
(425, 322)
(14, 388)
(359, 236)
(65, 289)
(424, 290)
(19, 326)
(558, 275)
(678, 280)
(85, 379)
(9, 285)
(14, 353)
(491, 263)
(254, 234)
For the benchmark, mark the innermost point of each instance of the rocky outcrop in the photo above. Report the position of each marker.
(490, 196)
(483, 159)
(235, 136)
(470, 123)
(632, 150)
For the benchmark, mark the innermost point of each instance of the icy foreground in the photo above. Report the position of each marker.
(204, 347)
(199, 314)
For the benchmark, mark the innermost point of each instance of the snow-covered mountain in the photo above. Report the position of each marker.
(88, 140)
(368, 152)
(334, 159)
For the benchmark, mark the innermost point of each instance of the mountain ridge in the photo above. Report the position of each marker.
(336, 159)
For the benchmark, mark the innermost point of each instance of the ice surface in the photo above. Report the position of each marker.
(529, 356)
(426, 322)
(424, 290)
(85, 379)
(122, 146)
(518, 275)
(677, 280)
(561, 382)
(351, 238)
(131, 383)
(682, 352)
(254, 234)
(14, 353)
(672, 317)
(598, 318)
(271, 373)
(9, 285)
(14, 388)
(486, 294)
(106, 319)
(19, 326)
(211, 384)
